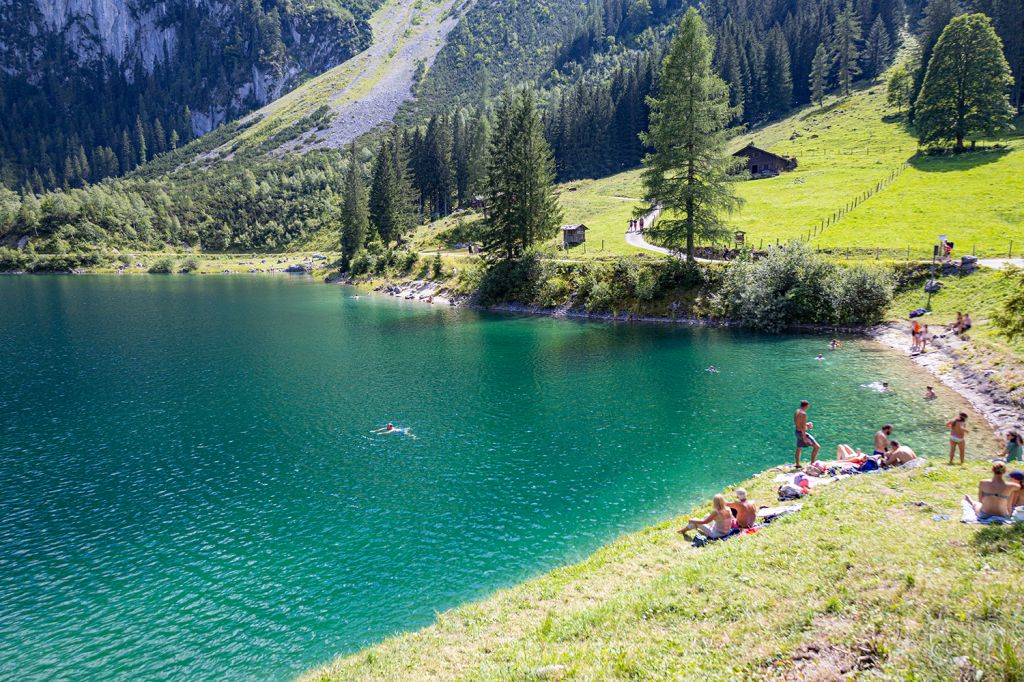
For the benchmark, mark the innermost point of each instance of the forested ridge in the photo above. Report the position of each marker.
(593, 70)
(71, 115)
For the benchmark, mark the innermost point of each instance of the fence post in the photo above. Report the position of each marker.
(1011, 249)
(908, 251)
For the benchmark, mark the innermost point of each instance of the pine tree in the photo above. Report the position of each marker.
(845, 36)
(965, 85)
(355, 222)
(522, 208)
(900, 86)
(127, 157)
(876, 48)
(687, 173)
(778, 77)
(819, 75)
(382, 192)
(140, 142)
(174, 139)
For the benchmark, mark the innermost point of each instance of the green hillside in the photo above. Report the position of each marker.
(843, 150)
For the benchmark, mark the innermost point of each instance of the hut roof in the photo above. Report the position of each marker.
(751, 148)
(574, 227)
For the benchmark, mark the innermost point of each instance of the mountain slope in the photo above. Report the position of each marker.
(93, 88)
(366, 91)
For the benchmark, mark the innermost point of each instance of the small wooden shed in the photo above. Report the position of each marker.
(761, 163)
(573, 235)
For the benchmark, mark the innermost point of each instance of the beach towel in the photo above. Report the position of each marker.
(971, 516)
(769, 514)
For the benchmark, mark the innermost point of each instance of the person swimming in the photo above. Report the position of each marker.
(391, 428)
(712, 370)
(820, 357)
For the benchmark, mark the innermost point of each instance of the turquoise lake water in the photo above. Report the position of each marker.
(190, 489)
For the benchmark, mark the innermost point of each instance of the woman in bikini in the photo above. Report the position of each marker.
(957, 436)
(718, 524)
(994, 495)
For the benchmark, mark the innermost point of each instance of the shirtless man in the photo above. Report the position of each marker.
(882, 440)
(929, 393)
(803, 438)
(957, 436)
(899, 454)
(745, 510)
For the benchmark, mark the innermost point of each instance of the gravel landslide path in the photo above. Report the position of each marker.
(406, 33)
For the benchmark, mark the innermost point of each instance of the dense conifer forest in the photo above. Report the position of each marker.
(592, 66)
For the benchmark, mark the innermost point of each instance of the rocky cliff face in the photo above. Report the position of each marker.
(136, 37)
(93, 88)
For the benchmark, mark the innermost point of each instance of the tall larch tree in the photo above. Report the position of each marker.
(965, 88)
(687, 174)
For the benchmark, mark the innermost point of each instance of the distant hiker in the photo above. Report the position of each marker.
(925, 337)
(803, 438)
(744, 509)
(882, 440)
(717, 524)
(957, 436)
(929, 393)
(641, 224)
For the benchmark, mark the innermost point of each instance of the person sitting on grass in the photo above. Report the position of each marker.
(717, 524)
(1017, 500)
(899, 454)
(995, 496)
(744, 509)
(1014, 449)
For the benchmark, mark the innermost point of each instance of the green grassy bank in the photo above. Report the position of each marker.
(862, 579)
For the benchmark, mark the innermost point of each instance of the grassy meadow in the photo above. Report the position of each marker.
(862, 581)
(844, 149)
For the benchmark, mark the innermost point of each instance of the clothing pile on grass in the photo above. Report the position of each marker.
(765, 516)
(795, 485)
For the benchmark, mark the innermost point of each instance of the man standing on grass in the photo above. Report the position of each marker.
(957, 436)
(803, 438)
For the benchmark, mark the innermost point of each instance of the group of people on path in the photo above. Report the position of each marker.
(635, 226)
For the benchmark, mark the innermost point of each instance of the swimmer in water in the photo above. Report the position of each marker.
(712, 370)
(391, 428)
(820, 357)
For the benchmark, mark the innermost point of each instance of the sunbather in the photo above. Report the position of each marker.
(845, 453)
(1018, 497)
(717, 524)
(995, 495)
(899, 454)
(744, 509)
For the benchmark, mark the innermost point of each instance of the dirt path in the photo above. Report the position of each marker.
(637, 240)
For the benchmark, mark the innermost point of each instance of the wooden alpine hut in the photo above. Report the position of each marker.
(761, 163)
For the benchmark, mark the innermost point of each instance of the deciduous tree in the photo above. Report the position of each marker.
(964, 94)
